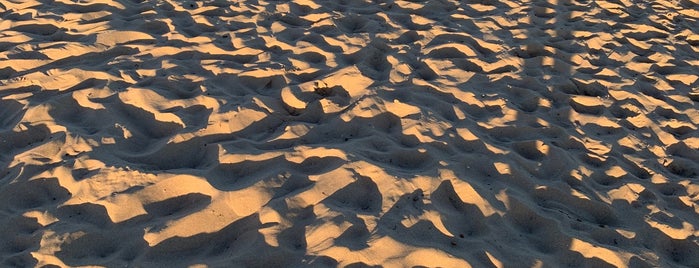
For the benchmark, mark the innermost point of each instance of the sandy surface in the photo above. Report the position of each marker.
(327, 133)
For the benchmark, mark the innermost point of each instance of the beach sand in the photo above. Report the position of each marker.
(350, 133)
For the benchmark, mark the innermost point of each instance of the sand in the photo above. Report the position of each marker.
(350, 133)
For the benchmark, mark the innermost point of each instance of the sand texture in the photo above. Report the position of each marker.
(349, 133)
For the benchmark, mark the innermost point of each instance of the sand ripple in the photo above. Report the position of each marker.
(353, 133)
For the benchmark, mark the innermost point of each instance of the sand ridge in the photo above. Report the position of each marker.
(513, 133)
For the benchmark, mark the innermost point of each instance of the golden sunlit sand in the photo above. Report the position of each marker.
(350, 133)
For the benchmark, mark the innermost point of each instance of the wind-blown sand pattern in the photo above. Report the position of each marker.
(349, 133)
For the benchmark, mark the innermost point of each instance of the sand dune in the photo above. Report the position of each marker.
(350, 133)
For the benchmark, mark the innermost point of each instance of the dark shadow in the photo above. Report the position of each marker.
(20, 238)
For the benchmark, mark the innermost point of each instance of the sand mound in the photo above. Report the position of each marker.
(349, 133)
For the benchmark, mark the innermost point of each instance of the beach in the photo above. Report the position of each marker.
(349, 133)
